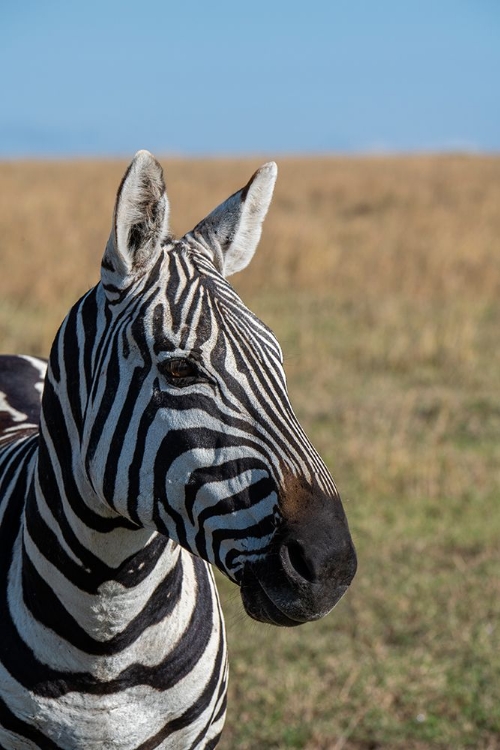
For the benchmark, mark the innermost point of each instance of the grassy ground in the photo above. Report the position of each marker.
(381, 277)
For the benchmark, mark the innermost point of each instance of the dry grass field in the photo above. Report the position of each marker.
(381, 278)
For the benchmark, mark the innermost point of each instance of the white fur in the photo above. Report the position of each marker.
(229, 235)
(15, 415)
(39, 365)
(232, 231)
(143, 186)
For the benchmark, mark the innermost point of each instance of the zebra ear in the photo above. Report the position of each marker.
(232, 231)
(140, 220)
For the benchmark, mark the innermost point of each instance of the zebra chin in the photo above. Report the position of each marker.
(285, 605)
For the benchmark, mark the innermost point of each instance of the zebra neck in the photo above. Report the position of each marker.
(81, 563)
(99, 606)
(63, 508)
(69, 517)
(94, 582)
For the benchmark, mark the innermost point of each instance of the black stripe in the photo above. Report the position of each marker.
(193, 712)
(93, 571)
(43, 680)
(49, 611)
(13, 723)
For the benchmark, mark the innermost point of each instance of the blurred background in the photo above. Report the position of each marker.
(379, 270)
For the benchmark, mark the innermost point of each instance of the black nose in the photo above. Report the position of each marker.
(298, 562)
(315, 553)
(310, 564)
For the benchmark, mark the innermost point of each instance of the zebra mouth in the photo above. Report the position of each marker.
(259, 605)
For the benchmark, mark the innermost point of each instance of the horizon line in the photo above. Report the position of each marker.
(378, 152)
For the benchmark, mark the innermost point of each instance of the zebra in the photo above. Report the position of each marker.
(164, 443)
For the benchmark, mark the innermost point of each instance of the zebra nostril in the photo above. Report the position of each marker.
(294, 558)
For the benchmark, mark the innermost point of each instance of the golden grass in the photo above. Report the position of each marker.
(381, 277)
(375, 233)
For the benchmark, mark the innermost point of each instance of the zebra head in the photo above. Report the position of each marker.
(189, 430)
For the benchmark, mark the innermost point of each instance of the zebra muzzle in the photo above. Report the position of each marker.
(306, 571)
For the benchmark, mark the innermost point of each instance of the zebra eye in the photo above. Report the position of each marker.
(180, 371)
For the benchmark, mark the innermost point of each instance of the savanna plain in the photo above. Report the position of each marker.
(381, 278)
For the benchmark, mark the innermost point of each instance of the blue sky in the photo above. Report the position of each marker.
(105, 78)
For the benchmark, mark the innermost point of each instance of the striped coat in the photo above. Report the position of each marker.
(166, 442)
